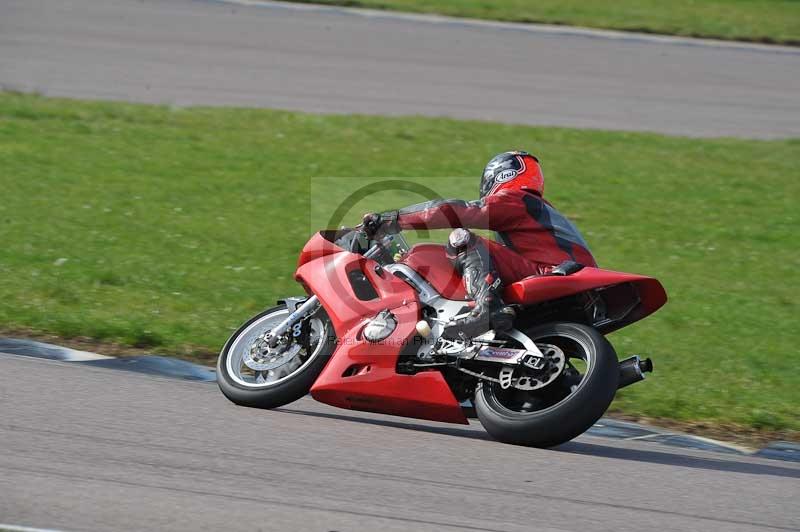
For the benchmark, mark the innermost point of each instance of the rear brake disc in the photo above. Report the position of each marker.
(534, 380)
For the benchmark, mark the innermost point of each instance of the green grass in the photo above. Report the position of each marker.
(771, 21)
(166, 228)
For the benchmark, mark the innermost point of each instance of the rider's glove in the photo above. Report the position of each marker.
(375, 223)
(372, 223)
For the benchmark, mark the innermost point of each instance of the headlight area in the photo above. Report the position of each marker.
(380, 327)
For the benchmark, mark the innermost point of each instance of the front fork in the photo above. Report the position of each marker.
(300, 312)
(312, 302)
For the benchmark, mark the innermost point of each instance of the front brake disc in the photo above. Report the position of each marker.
(261, 357)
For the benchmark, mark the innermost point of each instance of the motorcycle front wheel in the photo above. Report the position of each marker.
(568, 406)
(250, 375)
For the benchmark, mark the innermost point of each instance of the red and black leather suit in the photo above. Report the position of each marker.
(532, 236)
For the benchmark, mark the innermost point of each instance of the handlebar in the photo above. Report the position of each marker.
(376, 249)
(379, 242)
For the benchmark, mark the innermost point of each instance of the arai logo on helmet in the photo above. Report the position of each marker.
(505, 176)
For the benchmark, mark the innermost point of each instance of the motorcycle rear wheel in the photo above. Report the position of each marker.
(283, 384)
(564, 409)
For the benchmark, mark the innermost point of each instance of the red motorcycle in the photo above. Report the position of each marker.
(368, 337)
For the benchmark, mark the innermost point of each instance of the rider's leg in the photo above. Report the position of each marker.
(471, 257)
(512, 266)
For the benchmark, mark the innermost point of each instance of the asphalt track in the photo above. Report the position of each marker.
(85, 448)
(186, 52)
(95, 449)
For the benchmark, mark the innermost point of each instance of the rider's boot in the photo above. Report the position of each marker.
(489, 313)
(482, 284)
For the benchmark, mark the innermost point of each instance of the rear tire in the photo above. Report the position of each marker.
(572, 415)
(286, 391)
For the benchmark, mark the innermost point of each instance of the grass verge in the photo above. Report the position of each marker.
(765, 21)
(164, 228)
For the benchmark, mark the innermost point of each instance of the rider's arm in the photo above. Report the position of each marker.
(495, 213)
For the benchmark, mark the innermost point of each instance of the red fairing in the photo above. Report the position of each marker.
(318, 246)
(545, 288)
(431, 262)
(362, 375)
(373, 385)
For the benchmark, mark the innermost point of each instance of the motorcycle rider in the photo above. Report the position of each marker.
(533, 238)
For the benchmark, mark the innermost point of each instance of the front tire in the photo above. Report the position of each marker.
(281, 385)
(564, 409)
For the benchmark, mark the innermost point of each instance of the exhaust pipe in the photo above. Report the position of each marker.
(632, 370)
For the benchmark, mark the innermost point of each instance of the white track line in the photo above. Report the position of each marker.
(728, 445)
(518, 26)
(17, 528)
